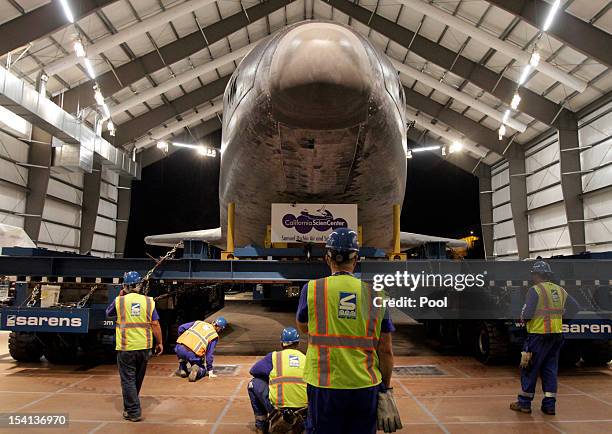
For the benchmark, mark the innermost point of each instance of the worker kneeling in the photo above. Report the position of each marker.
(277, 391)
(197, 340)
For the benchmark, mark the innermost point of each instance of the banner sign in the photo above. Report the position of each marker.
(45, 320)
(310, 222)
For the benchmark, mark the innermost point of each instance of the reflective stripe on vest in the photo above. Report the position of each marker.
(357, 346)
(133, 326)
(197, 337)
(548, 316)
(287, 387)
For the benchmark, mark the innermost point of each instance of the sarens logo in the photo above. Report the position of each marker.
(587, 328)
(347, 305)
(53, 321)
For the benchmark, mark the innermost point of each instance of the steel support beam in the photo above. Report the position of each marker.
(466, 126)
(130, 72)
(532, 104)
(89, 212)
(138, 126)
(570, 30)
(43, 21)
(518, 198)
(153, 155)
(571, 179)
(124, 199)
(39, 157)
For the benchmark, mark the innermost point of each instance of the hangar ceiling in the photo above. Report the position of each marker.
(161, 66)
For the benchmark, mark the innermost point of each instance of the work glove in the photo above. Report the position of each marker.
(387, 416)
(525, 359)
(211, 374)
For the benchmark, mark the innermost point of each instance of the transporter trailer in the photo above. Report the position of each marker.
(54, 304)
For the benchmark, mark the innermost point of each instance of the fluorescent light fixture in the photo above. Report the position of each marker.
(502, 132)
(162, 145)
(205, 151)
(455, 147)
(426, 148)
(184, 145)
(524, 75)
(506, 116)
(534, 60)
(551, 14)
(98, 95)
(110, 125)
(516, 100)
(79, 50)
(89, 68)
(67, 10)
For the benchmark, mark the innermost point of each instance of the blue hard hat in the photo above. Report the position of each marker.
(343, 240)
(290, 335)
(221, 322)
(541, 267)
(132, 278)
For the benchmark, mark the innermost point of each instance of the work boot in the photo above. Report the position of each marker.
(126, 416)
(193, 373)
(548, 411)
(181, 373)
(516, 406)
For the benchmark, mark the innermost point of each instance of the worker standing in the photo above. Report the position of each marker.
(136, 325)
(546, 305)
(197, 340)
(350, 358)
(277, 384)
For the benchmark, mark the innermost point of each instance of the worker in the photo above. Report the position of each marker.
(546, 305)
(278, 384)
(136, 325)
(197, 340)
(349, 358)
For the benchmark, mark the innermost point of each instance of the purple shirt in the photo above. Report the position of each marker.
(262, 368)
(111, 311)
(386, 326)
(210, 348)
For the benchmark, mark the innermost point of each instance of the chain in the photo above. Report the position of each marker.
(84, 300)
(32, 301)
(169, 255)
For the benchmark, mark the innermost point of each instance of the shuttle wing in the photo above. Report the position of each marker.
(211, 236)
(409, 239)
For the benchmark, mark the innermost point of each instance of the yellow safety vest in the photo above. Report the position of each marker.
(287, 387)
(197, 337)
(133, 325)
(548, 317)
(343, 333)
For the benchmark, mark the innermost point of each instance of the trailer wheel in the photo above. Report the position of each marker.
(571, 353)
(25, 347)
(59, 351)
(491, 344)
(597, 353)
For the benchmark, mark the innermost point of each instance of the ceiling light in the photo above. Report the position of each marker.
(426, 148)
(506, 116)
(110, 125)
(534, 60)
(524, 75)
(162, 145)
(409, 154)
(502, 132)
(551, 14)
(79, 50)
(89, 68)
(67, 10)
(455, 147)
(98, 95)
(516, 100)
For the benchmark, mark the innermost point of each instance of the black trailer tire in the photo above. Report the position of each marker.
(597, 353)
(59, 352)
(25, 347)
(492, 345)
(571, 353)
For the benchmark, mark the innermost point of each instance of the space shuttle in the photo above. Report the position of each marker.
(313, 114)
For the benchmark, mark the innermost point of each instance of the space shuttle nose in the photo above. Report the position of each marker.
(320, 77)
